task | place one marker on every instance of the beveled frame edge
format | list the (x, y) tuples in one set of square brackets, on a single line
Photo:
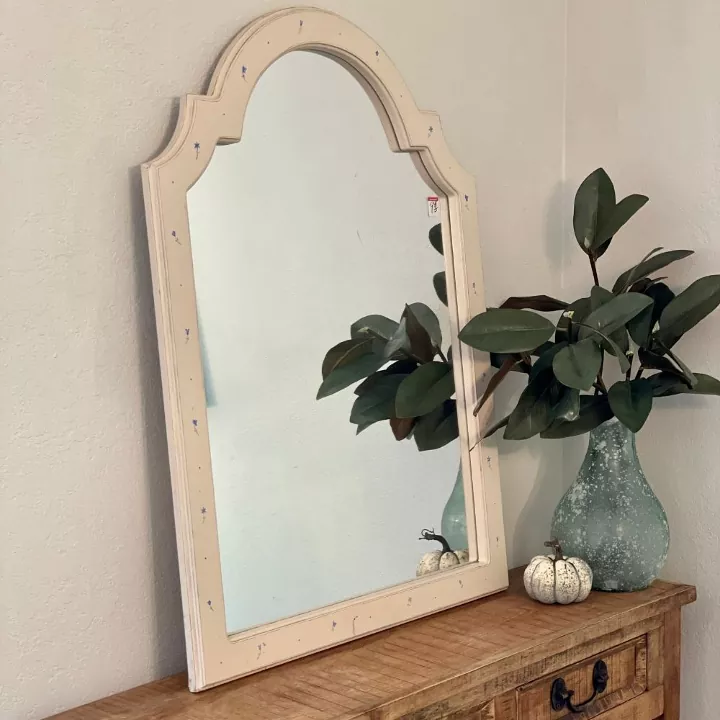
[(204, 121)]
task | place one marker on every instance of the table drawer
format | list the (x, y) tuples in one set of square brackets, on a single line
[(626, 679)]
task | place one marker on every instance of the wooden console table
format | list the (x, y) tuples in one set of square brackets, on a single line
[(494, 659)]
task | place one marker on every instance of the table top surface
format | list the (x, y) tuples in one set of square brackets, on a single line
[(354, 679)]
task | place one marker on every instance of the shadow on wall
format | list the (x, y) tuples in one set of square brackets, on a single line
[(169, 632)]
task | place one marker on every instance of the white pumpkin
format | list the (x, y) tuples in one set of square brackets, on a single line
[(440, 559), (558, 579)]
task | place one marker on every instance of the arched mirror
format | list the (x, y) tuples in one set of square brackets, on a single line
[(314, 252)]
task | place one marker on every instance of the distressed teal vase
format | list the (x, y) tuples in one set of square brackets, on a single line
[(454, 520), (610, 516)]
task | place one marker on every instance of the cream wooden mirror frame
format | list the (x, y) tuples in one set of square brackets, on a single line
[(214, 656)]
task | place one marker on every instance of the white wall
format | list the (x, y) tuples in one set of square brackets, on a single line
[(89, 599), (644, 101)]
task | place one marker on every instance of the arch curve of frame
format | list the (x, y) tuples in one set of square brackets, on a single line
[(217, 118)]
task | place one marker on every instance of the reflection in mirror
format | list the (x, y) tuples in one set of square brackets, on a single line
[(302, 228)]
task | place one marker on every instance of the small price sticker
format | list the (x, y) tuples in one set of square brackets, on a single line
[(433, 204)]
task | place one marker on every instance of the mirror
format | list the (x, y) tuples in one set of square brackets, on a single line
[(308, 224)]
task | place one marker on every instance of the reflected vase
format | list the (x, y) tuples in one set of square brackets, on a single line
[(454, 519), (610, 516)]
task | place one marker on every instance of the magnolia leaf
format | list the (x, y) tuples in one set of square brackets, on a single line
[(440, 285), (641, 326), (648, 266), (620, 214), (687, 309), (344, 375), (667, 384), (533, 412), (614, 314), (437, 428), (429, 320), (599, 296), (345, 352), (364, 426), (426, 388), (435, 236), (568, 406), (631, 402), (399, 344), (521, 365), (545, 361), (541, 303), (401, 367), (507, 331), (377, 402), (401, 427), (374, 326), (577, 365), (594, 201), (421, 345), (580, 309), (593, 412), (495, 380)]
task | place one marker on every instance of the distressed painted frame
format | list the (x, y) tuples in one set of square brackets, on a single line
[(217, 118)]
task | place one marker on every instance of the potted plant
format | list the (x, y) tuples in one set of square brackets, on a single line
[(610, 515)]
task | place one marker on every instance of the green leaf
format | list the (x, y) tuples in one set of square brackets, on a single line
[(344, 375), (435, 236), (688, 309), (580, 309), (667, 384), (495, 380), (345, 352), (399, 344), (401, 367), (437, 428), (440, 285), (641, 326), (593, 412), (373, 326), (421, 345), (364, 426), (378, 401), (533, 412), (426, 388), (568, 406), (497, 360), (507, 331), (620, 214), (655, 361), (541, 303), (402, 427), (497, 426), (429, 320), (599, 296), (614, 314), (647, 267), (631, 402), (594, 201), (577, 365), (545, 361)]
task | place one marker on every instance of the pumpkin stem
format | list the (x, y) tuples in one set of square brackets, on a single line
[(430, 535), (555, 545)]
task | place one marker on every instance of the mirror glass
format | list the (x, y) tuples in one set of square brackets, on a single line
[(308, 224)]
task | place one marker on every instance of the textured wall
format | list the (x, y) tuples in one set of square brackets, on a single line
[(89, 595), (644, 101)]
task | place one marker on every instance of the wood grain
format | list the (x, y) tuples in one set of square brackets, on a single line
[(647, 706), (457, 665), (671, 652)]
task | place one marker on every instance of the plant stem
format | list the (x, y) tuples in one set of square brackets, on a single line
[(593, 267), (430, 535), (439, 351), (639, 373)]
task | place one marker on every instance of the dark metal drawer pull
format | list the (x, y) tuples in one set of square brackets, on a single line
[(561, 697)]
